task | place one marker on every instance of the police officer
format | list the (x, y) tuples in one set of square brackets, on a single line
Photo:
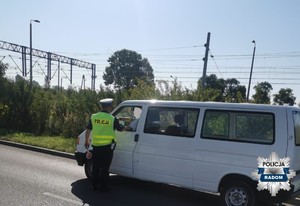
[(103, 126)]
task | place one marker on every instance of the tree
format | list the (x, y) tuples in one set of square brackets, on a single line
[(3, 92), (143, 91), (40, 109), (221, 90), (262, 93), (125, 68), (5, 102), (214, 89), (285, 96), (19, 99), (234, 92), (3, 68), (213, 82)]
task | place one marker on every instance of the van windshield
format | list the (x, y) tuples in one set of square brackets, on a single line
[(296, 117)]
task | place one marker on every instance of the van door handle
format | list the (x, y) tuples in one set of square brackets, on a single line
[(136, 137)]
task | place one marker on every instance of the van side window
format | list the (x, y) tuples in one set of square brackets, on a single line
[(171, 121), (129, 116), (255, 127), (239, 126), (216, 125), (296, 117)]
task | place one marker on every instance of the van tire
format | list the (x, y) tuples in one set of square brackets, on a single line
[(237, 193), (88, 169)]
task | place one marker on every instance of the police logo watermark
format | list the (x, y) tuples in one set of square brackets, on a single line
[(273, 173)]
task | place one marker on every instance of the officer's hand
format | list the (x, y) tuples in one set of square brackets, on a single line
[(88, 155), (87, 145)]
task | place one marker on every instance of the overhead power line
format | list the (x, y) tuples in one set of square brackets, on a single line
[(211, 55), (188, 67)]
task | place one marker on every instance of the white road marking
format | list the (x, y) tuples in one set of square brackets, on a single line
[(66, 199)]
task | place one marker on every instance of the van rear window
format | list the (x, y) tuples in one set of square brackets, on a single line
[(239, 126), (296, 117)]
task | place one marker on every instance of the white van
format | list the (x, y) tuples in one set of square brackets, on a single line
[(206, 146)]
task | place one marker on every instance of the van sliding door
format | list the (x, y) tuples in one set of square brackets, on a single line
[(164, 152)]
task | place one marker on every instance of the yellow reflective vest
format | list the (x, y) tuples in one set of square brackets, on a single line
[(103, 129)]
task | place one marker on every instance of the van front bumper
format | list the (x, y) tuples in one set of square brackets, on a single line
[(80, 158)]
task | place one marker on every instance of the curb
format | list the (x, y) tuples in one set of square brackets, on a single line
[(38, 149)]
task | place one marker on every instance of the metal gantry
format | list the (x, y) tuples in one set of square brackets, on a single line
[(50, 57)]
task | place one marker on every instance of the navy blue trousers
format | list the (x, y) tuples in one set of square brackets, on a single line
[(102, 157)]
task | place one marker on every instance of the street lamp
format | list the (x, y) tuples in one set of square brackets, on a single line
[(251, 70), (37, 21)]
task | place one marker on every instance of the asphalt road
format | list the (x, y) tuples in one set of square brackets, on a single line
[(34, 178)]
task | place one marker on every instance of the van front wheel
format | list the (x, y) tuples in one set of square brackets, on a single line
[(237, 193)]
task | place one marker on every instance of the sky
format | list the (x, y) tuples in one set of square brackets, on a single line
[(170, 33)]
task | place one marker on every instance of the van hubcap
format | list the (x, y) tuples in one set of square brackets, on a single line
[(236, 197)]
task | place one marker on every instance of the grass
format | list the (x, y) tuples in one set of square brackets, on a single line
[(54, 142)]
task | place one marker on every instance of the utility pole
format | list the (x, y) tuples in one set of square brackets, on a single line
[(83, 82), (30, 46), (205, 59), (58, 75), (254, 48)]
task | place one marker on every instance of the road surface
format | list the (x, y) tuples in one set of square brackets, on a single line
[(34, 178)]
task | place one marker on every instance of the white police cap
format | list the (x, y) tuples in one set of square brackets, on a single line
[(106, 102)]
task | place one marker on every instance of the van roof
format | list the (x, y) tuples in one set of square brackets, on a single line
[(209, 104)]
